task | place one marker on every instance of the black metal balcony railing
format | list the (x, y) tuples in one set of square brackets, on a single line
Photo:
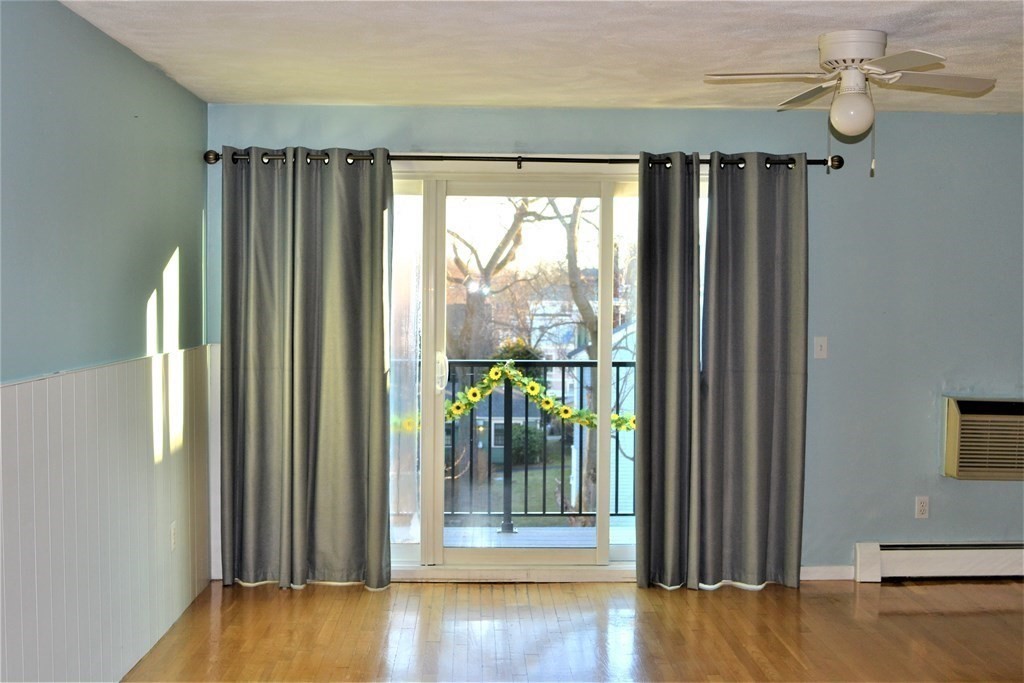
[(506, 458)]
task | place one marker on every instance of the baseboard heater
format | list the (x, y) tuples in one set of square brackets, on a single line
[(877, 561)]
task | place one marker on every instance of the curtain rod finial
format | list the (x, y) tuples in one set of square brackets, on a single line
[(835, 161), (211, 157)]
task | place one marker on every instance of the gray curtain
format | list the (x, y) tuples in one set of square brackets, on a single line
[(304, 420), (720, 449), (666, 465), (754, 379)]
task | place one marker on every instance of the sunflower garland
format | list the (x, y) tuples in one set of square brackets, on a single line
[(535, 392), (407, 425)]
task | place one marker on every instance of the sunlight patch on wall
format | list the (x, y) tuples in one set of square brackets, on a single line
[(152, 331), (158, 408), (175, 359), (171, 303), (176, 399), (153, 351)]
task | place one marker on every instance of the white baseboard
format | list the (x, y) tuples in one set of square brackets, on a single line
[(838, 572), (875, 561), (613, 573)]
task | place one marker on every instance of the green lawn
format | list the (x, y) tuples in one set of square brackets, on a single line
[(530, 487)]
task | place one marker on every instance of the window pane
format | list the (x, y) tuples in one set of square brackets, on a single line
[(625, 211), (522, 285), (405, 367)]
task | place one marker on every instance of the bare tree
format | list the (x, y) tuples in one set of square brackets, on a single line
[(498, 300), (480, 279), (483, 277), (582, 296)]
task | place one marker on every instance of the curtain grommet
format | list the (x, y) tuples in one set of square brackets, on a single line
[(349, 159)]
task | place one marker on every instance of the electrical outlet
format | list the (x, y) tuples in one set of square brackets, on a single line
[(921, 507), (174, 535)]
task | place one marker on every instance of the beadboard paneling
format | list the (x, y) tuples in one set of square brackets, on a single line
[(89, 581)]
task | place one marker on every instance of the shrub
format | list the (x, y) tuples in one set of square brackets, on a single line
[(520, 349), (526, 441)]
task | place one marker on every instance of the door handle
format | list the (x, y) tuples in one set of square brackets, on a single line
[(440, 371)]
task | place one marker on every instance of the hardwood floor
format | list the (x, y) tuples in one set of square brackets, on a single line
[(826, 630)]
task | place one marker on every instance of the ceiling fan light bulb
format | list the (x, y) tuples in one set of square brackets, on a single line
[(852, 113)]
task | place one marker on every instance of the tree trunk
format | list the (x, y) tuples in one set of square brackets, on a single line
[(588, 318)]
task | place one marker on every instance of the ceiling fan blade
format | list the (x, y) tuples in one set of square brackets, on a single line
[(772, 76), (807, 95), (964, 84), (901, 61)]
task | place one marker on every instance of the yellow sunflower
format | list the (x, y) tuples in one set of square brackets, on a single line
[(458, 408), (565, 412), (632, 421), (547, 403), (495, 373), (615, 416), (408, 425), (473, 394), (533, 388)]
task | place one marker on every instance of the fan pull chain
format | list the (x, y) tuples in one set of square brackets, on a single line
[(828, 147), (872, 174), (874, 125), (828, 132)]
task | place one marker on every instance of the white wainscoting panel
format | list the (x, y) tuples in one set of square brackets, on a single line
[(89, 579), (216, 567)]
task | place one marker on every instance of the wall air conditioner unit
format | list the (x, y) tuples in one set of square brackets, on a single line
[(984, 439)]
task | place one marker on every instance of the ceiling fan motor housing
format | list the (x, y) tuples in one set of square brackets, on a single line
[(843, 49)]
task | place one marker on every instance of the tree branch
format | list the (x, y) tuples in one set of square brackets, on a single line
[(459, 263), (511, 284), (506, 249), (579, 295), (472, 249)]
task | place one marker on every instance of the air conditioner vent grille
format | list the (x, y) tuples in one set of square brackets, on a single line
[(984, 439)]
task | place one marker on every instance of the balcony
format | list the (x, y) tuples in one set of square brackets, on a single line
[(517, 476)]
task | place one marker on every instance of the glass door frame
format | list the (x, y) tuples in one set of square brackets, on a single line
[(439, 181)]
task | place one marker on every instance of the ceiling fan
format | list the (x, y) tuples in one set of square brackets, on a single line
[(849, 59)]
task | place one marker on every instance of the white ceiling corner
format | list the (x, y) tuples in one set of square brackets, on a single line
[(528, 53)]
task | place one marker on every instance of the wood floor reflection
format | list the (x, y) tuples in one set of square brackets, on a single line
[(595, 632)]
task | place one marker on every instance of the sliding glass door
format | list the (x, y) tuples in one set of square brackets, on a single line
[(522, 329)]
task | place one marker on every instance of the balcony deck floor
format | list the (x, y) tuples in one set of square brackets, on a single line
[(621, 533)]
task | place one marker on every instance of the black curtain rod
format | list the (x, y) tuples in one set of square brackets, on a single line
[(212, 157)]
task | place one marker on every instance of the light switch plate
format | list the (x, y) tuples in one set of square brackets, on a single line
[(821, 347)]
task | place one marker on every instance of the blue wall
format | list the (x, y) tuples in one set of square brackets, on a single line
[(915, 277), (101, 183)]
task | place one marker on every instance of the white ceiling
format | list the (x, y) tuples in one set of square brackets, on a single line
[(549, 54)]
